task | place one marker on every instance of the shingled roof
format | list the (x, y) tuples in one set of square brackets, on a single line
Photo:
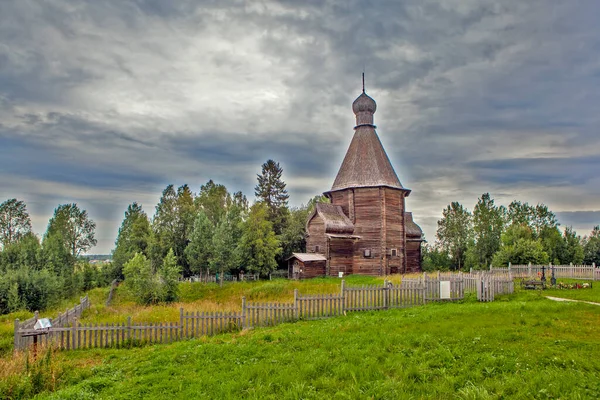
[(366, 164), (412, 229), (334, 218)]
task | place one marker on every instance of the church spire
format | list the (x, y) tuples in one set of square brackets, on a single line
[(366, 164)]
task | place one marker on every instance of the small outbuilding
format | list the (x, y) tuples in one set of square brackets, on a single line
[(304, 265)]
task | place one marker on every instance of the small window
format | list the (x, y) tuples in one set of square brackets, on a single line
[(394, 252), (317, 249), (367, 252)]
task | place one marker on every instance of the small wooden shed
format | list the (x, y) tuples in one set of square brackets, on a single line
[(304, 265)]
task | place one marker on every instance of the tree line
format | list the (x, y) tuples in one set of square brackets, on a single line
[(214, 231), (497, 235), (211, 232), (34, 273)]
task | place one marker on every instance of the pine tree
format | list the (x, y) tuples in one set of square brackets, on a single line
[(272, 192)]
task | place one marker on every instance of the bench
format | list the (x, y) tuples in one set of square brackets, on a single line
[(532, 284)]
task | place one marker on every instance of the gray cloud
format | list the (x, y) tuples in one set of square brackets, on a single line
[(106, 102)]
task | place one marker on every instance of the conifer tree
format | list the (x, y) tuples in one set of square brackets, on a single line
[(272, 192)]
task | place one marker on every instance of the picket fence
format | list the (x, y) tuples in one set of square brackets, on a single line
[(68, 333), (60, 321), (587, 272)]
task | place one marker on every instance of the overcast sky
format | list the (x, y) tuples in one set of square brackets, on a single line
[(104, 103)]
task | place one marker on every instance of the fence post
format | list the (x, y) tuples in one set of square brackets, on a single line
[(296, 314), (529, 270), (74, 331), (343, 294), (244, 312), (129, 329), (16, 340), (386, 292), (180, 323)]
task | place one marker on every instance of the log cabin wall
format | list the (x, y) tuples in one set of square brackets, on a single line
[(341, 198), (368, 215), (316, 235), (341, 256), (413, 256), (313, 269), (394, 223)]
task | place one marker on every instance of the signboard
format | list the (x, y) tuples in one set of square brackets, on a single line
[(444, 289), (42, 323), (340, 274)]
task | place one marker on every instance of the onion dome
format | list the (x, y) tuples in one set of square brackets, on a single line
[(364, 103)]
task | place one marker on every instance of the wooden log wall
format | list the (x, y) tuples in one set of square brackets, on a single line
[(316, 235)]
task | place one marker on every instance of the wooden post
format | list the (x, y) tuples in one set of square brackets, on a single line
[(244, 312), (129, 329), (180, 323), (74, 331), (17, 336), (296, 313)]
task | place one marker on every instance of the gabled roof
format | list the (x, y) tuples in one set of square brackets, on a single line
[(304, 257), (334, 218), (412, 229)]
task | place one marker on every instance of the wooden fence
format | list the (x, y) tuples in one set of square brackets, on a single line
[(440, 287), (61, 320), (588, 272), (488, 286), (71, 334)]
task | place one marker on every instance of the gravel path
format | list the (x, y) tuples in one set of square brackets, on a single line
[(577, 301)]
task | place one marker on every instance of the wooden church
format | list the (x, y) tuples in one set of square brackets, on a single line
[(365, 229)]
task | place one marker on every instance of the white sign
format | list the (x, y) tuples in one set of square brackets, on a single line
[(444, 289), (42, 323), (340, 274)]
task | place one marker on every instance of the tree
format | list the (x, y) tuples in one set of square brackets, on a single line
[(454, 232), (213, 198), (272, 192), (14, 221), (591, 247), (142, 280), (164, 225), (435, 258), (488, 224), (199, 250), (258, 245), (169, 276), (75, 227), (225, 240), (573, 250), (133, 237)]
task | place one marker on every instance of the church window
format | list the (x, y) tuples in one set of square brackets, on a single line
[(367, 253), (317, 248), (394, 252)]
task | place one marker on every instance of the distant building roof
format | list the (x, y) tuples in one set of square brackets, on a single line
[(334, 218), (304, 257)]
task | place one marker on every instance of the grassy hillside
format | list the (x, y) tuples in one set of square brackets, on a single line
[(521, 346)]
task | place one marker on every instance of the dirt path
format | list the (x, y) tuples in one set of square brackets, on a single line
[(577, 301)]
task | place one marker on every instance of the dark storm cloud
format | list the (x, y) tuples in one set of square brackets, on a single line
[(112, 100)]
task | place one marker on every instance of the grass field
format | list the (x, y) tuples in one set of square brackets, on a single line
[(520, 346)]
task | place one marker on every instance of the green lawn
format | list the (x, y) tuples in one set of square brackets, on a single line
[(520, 346), (588, 294)]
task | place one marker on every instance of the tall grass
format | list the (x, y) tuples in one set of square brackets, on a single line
[(521, 346)]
